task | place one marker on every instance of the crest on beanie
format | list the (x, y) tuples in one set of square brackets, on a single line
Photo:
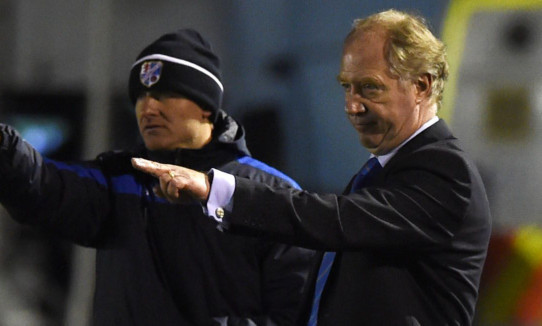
[(150, 72)]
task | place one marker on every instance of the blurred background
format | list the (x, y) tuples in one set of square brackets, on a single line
[(65, 66)]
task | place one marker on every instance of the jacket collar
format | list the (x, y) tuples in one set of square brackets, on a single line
[(437, 132)]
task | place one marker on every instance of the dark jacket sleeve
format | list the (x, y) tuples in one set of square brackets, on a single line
[(415, 203), (68, 200)]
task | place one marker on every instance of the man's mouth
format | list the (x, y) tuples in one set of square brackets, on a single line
[(151, 127), (365, 127), (358, 123)]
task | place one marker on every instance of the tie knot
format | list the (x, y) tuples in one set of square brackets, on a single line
[(369, 169), (369, 165)]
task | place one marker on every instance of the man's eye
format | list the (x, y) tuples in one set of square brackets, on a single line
[(370, 86), (370, 90), (345, 86)]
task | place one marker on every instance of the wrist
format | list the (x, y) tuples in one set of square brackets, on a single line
[(208, 183)]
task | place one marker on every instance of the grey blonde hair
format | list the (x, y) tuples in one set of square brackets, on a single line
[(412, 50)]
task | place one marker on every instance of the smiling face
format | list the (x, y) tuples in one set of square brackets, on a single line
[(168, 121), (384, 109)]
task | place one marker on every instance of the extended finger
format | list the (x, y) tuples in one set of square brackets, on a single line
[(154, 168)]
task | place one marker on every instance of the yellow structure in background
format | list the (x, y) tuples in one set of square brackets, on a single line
[(454, 33), (511, 289), (502, 126), (511, 286)]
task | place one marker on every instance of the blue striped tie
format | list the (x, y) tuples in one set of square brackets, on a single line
[(372, 166)]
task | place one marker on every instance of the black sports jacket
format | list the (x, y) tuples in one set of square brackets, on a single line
[(158, 263)]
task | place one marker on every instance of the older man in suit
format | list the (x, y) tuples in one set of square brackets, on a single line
[(406, 242)]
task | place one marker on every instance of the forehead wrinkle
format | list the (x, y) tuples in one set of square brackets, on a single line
[(360, 75)]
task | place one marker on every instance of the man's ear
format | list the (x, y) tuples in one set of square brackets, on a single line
[(423, 87)]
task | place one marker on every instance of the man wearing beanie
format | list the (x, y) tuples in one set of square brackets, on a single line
[(159, 263)]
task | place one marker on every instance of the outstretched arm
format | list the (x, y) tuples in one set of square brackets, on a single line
[(421, 207), (70, 200)]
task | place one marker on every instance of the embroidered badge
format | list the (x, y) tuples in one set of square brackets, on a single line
[(150, 72)]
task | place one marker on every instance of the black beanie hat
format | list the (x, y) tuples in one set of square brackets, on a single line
[(181, 62)]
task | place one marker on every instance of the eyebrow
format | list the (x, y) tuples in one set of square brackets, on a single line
[(376, 80)]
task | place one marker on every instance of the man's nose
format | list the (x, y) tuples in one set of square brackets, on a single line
[(354, 106), (148, 103)]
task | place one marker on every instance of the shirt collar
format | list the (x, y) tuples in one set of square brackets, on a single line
[(383, 159)]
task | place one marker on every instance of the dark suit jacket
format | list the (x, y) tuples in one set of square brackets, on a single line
[(410, 246)]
